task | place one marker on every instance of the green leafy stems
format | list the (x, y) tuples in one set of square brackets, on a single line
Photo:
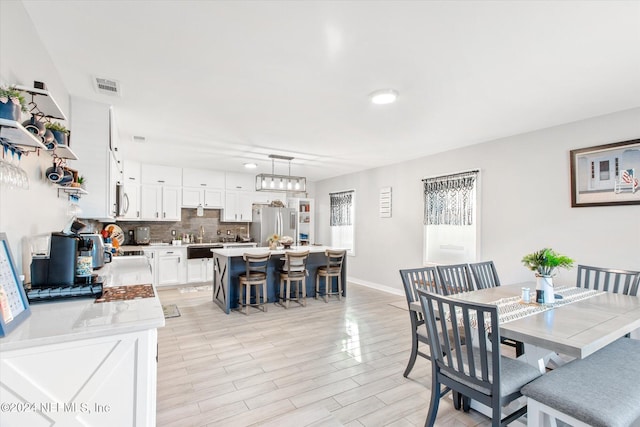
[(57, 126), (545, 262), (9, 93)]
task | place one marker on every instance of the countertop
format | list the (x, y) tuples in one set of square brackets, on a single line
[(81, 318), (167, 245), (233, 252)]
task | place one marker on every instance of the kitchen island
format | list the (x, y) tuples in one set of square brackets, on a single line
[(228, 264), (78, 362)]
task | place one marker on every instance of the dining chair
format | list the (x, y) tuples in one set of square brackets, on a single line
[(476, 371), (412, 279), (485, 276), (609, 280), (455, 278)]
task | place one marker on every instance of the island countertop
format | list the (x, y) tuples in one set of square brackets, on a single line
[(234, 252), (82, 318)]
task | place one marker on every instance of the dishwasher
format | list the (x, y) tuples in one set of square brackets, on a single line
[(200, 263)]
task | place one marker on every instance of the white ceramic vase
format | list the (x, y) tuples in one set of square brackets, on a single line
[(545, 284)]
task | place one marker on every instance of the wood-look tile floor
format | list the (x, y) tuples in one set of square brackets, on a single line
[(326, 364)]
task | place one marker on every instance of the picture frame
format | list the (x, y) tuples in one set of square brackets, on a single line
[(14, 305), (606, 175)]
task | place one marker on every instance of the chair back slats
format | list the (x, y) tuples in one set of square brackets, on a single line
[(414, 278), (256, 265), (295, 264), (335, 259), (608, 280), (454, 323), (485, 274), (455, 279)]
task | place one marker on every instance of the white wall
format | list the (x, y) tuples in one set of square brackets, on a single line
[(24, 59), (525, 198)]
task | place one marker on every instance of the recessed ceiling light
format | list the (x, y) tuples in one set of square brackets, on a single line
[(250, 165), (384, 96)]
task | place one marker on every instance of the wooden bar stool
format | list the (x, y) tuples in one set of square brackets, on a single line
[(255, 275), (332, 269), (294, 272)]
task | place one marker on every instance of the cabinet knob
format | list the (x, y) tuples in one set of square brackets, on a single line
[(164, 214), (157, 215)]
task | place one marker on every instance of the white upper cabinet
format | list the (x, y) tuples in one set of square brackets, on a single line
[(131, 172), (163, 175), (203, 187), (203, 178), (240, 182), (91, 123)]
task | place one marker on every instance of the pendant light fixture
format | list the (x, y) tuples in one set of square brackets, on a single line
[(284, 183)]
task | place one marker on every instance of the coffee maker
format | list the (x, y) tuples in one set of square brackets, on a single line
[(58, 266)]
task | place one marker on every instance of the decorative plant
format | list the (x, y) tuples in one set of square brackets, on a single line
[(545, 262), (10, 93), (57, 126), (81, 180), (273, 238)]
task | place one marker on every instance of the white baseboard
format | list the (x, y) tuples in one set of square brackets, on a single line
[(376, 286)]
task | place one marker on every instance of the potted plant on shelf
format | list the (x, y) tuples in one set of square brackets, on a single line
[(545, 263), (60, 133), (81, 182), (11, 103)]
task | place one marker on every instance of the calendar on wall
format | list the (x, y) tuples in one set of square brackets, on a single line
[(14, 306)]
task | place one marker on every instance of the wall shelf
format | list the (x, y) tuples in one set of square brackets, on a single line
[(64, 152), (16, 134), (42, 103), (76, 191)]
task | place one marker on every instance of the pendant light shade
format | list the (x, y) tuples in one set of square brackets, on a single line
[(284, 183)]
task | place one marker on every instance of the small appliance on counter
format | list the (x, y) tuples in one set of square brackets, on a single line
[(98, 252), (60, 267), (143, 235)]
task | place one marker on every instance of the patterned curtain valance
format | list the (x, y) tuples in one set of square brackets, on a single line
[(341, 205), (448, 199)]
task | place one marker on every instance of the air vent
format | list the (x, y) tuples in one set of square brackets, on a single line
[(139, 138), (107, 86)]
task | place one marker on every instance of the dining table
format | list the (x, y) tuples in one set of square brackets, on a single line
[(576, 326), (575, 329)]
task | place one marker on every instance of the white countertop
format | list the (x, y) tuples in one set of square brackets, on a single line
[(186, 245), (81, 318), (233, 252)]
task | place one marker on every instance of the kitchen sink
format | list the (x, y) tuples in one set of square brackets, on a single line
[(202, 250)]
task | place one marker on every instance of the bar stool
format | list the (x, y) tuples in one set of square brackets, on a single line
[(255, 275), (294, 272), (332, 269)]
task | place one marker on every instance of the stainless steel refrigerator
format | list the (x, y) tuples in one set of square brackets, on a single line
[(268, 221)]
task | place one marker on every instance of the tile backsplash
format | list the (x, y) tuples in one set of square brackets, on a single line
[(190, 223)]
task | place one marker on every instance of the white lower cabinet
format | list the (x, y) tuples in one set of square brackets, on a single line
[(168, 266), (106, 381), (200, 270)]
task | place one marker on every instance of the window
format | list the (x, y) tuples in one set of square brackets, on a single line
[(450, 218), (342, 217), (604, 170)]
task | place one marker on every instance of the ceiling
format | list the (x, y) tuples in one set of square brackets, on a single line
[(216, 84)]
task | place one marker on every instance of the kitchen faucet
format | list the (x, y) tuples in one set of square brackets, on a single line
[(201, 234)]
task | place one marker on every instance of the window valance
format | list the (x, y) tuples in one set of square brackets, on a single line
[(448, 199), (341, 206)]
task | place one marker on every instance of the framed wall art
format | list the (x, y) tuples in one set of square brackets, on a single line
[(14, 306), (606, 175)]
